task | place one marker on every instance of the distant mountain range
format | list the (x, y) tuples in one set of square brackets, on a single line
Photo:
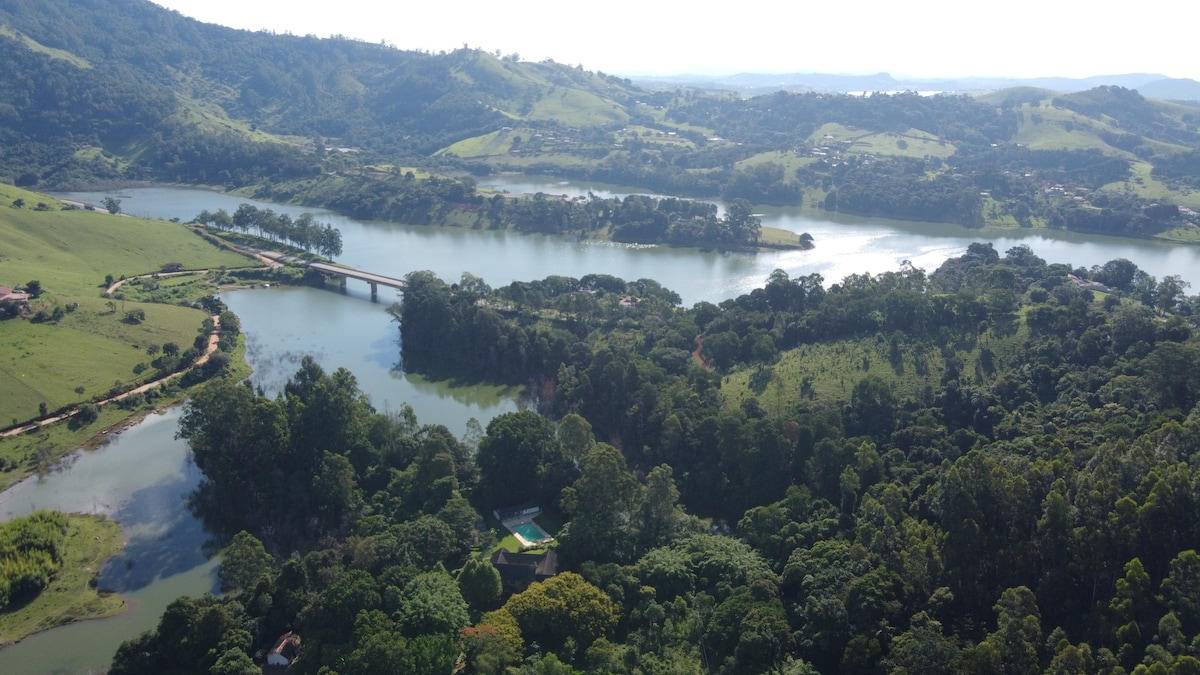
[(104, 92), (752, 84)]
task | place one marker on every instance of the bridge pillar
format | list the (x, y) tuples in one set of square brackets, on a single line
[(374, 290), (342, 281)]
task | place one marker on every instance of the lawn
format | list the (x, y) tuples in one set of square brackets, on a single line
[(549, 522), (776, 238), (71, 595)]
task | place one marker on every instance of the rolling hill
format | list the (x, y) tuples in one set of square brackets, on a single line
[(124, 90)]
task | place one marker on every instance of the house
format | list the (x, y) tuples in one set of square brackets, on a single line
[(286, 649), (12, 304), (7, 293), (1087, 284), (526, 510), (519, 570)]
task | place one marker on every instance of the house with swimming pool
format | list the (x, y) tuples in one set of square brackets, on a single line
[(519, 520)]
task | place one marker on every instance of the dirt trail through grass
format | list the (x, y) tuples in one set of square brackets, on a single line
[(213, 338)]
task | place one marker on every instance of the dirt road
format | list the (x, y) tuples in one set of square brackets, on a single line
[(213, 338)]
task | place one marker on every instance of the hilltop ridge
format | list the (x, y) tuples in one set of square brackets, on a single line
[(114, 91)]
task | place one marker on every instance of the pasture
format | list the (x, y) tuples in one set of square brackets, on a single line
[(75, 345)]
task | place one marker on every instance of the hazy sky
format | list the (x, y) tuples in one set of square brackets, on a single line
[(919, 38)]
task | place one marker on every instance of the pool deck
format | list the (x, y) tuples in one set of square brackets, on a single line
[(511, 524)]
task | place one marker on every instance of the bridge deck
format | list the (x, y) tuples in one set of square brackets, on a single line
[(360, 275)]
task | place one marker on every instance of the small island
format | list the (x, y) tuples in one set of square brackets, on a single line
[(49, 563)]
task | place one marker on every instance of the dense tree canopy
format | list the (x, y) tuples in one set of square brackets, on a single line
[(984, 469), (30, 554)]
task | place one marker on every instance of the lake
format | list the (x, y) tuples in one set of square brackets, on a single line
[(143, 476), (844, 245)]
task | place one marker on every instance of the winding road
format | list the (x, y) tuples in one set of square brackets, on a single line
[(213, 339)]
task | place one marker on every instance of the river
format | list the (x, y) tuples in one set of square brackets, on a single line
[(143, 475), (140, 477)]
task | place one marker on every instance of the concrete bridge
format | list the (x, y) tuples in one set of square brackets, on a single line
[(343, 273)]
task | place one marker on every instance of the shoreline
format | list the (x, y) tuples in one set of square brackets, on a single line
[(66, 442), (83, 560), (37, 424), (994, 228)]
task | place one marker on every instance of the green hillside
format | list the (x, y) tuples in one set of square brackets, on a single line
[(70, 253), (171, 99)]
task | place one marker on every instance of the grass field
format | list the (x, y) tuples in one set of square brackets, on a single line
[(495, 143), (36, 46), (89, 345), (911, 143), (790, 161), (535, 93), (35, 452), (576, 108), (829, 370), (75, 249), (1188, 234), (418, 174), (545, 159), (1147, 186), (775, 237), (1049, 128), (654, 137), (71, 595)]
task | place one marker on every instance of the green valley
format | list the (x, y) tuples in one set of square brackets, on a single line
[(180, 101), (986, 466)]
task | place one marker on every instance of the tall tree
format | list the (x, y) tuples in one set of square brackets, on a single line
[(603, 504), (479, 583), (562, 607), (520, 460)]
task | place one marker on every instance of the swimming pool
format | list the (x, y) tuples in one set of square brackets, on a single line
[(529, 532)]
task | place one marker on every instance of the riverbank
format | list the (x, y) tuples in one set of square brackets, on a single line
[(72, 345), (36, 450), (72, 594)]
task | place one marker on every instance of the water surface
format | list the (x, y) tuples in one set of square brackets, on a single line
[(844, 245), (142, 478)]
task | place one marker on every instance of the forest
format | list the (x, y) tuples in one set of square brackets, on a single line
[(639, 219), (1003, 481)]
